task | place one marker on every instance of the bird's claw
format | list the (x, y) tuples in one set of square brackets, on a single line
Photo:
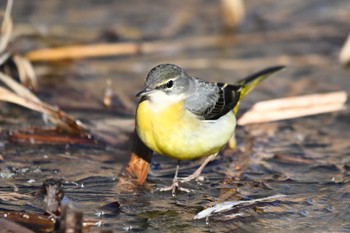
[(191, 177), (173, 187)]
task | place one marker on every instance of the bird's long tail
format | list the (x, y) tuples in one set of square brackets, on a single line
[(248, 83)]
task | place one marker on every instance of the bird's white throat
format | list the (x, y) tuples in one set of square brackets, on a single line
[(160, 100)]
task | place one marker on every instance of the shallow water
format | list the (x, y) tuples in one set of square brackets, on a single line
[(307, 159)]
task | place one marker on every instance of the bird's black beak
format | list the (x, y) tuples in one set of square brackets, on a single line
[(144, 92)]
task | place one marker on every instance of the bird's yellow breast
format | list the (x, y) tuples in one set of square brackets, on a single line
[(178, 134)]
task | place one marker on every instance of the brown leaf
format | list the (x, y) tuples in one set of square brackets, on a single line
[(139, 163)]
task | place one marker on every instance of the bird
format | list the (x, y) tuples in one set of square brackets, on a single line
[(185, 118)]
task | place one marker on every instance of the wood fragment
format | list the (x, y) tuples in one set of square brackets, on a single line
[(293, 107)]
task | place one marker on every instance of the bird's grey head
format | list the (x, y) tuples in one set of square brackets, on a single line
[(167, 78)]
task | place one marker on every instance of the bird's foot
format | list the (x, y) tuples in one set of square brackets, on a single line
[(173, 187), (197, 174), (194, 176)]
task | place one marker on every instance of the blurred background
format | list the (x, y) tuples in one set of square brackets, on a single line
[(307, 37), (307, 158)]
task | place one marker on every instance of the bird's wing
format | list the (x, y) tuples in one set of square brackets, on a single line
[(213, 100), (228, 98)]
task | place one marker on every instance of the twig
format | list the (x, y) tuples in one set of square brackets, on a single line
[(293, 107), (83, 51), (229, 205)]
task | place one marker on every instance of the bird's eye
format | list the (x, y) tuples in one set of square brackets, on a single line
[(170, 84)]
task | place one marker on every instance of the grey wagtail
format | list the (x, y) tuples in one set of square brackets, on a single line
[(183, 117)]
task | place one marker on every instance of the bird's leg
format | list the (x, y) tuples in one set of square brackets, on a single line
[(198, 172), (232, 144), (175, 184)]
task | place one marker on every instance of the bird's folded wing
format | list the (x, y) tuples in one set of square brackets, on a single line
[(213, 100)]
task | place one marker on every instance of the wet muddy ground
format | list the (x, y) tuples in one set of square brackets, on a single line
[(306, 159)]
